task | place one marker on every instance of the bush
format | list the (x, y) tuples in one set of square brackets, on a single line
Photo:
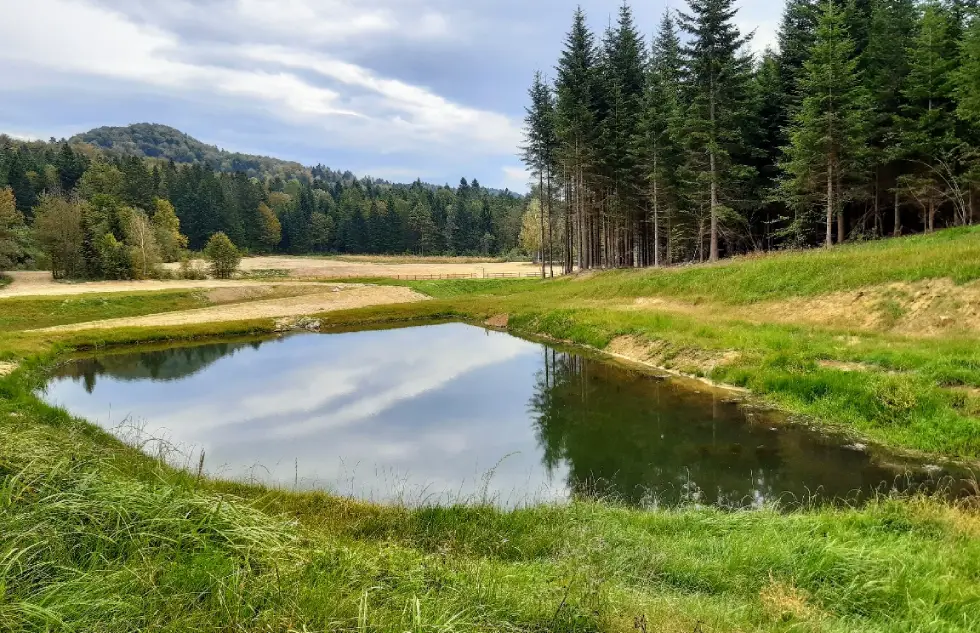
[(115, 259), (188, 270), (222, 255)]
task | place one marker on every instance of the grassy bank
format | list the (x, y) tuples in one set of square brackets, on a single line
[(916, 392), (23, 313), (95, 536)]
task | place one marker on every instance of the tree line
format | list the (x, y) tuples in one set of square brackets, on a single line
[(690, 147), (89, 213)]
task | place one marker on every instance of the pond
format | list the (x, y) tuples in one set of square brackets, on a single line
[(455, 413)]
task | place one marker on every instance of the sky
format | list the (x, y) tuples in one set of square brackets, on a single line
[(394, 89)]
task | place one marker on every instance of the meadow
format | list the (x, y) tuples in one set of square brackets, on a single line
[(97, 536)]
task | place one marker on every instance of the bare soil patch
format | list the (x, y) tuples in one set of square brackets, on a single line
[(929, 308), (661, 354), (353, 266), (32, 283), (338, 297), (925, 308), (498, 321)]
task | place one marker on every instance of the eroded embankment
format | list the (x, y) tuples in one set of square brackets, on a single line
[(930, 308)]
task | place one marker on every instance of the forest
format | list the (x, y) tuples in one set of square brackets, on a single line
[(683, 147), (690, 147), (90, 211)]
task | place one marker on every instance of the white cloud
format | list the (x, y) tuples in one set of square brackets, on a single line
[(336, 100), (762, 17), (516, 178), (312, 22)]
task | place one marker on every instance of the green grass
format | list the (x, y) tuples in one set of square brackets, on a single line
[(5, 280), (23, 313), (953, 254), (95, 536), (905, 396)]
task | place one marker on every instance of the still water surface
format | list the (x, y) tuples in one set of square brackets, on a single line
[(453, 412)]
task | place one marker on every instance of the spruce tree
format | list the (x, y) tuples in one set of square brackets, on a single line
[(827, 138), (574, 126), (927, 122), (885, 68), (660, 151), (537, 145), (767, 138), (966, 86), (717, 80), (624, 86), (797, 33)]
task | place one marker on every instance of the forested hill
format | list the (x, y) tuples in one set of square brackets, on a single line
[(53, 191), (152, 140)]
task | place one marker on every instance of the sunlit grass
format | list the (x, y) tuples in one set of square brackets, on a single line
[(95, 536), (23, 313)]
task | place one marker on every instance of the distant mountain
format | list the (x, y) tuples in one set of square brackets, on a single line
[(152, 140), (162, 142)]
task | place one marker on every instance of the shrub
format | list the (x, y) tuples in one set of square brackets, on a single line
[(222, 255), (188, 270)]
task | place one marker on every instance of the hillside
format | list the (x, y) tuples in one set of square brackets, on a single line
[(152, 140), (103, 537)]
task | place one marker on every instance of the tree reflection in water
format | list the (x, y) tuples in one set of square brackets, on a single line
[(173, 363), (640, 439)]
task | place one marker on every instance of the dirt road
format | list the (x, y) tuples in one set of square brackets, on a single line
[(28, 284), (334, 297)]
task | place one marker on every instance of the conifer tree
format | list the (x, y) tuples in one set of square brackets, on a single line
[(716, 84), (927, 123), (770, 105), (827, 138), (537, 148), (575, 126), (624, 82), (797, 33), (659, 151), (885, 68)]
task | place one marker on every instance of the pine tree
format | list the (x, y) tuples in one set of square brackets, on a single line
[(575, 126), (827, 138), (927, 123), (716, 82), (885, 68), (660, 151), (967, 92), (17, 179), (11, 221), (767, 137), (625, 86), (797, 32), (536, 151)]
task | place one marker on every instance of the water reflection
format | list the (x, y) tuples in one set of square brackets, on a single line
[(645, 440), (440, 413)]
